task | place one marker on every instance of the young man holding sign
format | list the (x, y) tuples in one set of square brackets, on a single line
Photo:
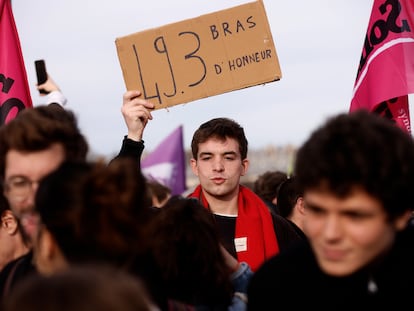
[(219, 147)]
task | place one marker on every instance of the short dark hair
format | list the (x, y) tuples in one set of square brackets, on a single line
[(267, 185), (288, 194), (220, 128), (360, 149), (36, 129)]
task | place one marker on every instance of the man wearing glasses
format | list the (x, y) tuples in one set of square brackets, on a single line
[(32, 145)]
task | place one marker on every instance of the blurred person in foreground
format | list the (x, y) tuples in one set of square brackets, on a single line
[(34, 144), (357, 174), (101, 215), (81, 288), (196, 270)]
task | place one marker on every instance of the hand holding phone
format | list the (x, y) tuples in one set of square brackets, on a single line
[(41, 74)]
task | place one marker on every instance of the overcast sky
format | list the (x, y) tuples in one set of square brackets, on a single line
[(318, 42)]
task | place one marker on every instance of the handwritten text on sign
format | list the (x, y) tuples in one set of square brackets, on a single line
[(196, 58)]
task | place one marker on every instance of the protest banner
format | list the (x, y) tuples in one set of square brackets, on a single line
[(15, 93), (200, 57), (386, 70)]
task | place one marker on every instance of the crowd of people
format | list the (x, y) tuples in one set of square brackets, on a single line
[(87, 234)]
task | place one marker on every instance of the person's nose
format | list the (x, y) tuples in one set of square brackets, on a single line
[(332, 228), (218, 165), (32, 194)]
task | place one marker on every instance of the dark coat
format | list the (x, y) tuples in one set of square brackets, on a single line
[(293, 278)]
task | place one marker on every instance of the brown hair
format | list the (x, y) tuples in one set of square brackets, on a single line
[(100, 210), (220, 128), (266, 185), (186, 247), (81, 288), (38, 128)]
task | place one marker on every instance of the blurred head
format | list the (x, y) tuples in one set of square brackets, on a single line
[(266, 185), (357, 174), (32, 145), (81, 288), (186, 247), (90, 212)]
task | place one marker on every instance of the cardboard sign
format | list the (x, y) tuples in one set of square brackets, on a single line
[(200, 57)]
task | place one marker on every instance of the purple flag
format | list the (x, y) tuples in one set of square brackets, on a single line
[(166, 163)]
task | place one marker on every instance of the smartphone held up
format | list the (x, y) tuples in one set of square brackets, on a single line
[(41, 74)]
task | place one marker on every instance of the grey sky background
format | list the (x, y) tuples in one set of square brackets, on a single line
[(318, 42)]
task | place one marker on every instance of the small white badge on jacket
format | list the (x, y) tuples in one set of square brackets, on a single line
[(241, 244)]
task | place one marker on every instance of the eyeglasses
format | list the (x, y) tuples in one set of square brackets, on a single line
[(18, 188)]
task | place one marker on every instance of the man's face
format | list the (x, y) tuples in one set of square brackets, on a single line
[(347, 233), (219, 167), (23, 170)]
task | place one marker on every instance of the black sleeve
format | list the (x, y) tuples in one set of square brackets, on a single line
[(261, 290), (277, 281), (132, 149), (14, 272)]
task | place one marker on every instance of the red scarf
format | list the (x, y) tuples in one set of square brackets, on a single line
[(253, 222)]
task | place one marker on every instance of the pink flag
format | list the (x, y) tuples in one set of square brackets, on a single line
[(166, 163), (386, 70), (15, 93)]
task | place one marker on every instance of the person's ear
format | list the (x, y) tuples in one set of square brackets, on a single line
[(9, 222), (245, 165), (301, 205), (193, 163)]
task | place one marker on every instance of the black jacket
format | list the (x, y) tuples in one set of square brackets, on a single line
[(15, 271), (293, 278)]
